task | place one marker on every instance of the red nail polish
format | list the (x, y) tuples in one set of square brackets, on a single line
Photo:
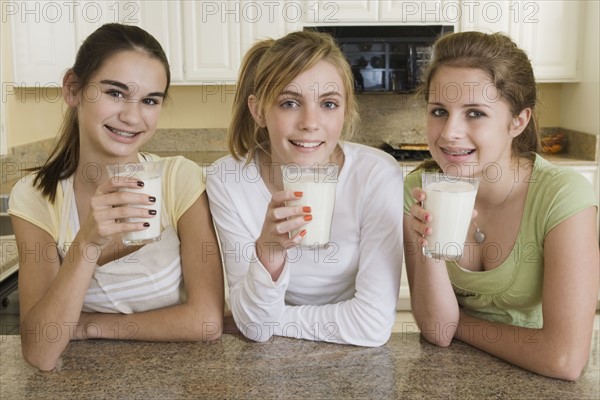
[(306, 209), (303, 233), (298, 194), (308, 217)]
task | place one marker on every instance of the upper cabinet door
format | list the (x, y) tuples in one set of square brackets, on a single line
[(551, 35), (548, 31), (163, 20), (212, 40), (445, 12), (43, 43), (340, 11), (157, 17), (267, 19), (46, 35)]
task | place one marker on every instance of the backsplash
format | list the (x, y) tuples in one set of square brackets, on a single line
[(399, 118)]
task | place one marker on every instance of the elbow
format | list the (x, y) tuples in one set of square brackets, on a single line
[(437, 340), (206, 330), (439, 334), (567, 367), (39, 361)]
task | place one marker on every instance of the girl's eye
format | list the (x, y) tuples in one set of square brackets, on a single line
[(151, 102), (115, 93), (289, 104), (330, 104), (475, 114), (439, 112)]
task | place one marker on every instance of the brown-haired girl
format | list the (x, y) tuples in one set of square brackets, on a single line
[(294, 101), (76, 279), (525, 289)]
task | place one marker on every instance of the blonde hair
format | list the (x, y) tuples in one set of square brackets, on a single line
[(508, 67), (271, 65)]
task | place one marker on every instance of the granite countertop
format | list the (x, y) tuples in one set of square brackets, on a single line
[(407, 367)]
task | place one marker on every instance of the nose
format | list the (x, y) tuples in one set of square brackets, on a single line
[(309, 121), (130, 112), (453, 129)]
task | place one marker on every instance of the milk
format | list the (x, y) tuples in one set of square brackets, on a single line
[(451, 205), (151, 174), (152, 187), (318, 188)]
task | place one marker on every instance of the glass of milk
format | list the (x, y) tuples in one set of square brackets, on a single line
[(151, 174), (450, 201), (317, 183)]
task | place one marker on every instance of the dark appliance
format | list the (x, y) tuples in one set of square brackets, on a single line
[(407, 152), (386, 58)]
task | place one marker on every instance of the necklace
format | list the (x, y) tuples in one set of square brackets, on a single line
[(478, 235)]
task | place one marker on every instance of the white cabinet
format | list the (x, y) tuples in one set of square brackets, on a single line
[(268, 19), (206, 40), (445, 12), (218, 34), (591, 173), (213, 45), (46, 35), (327, 12), (548, 31), (43, 43), (335, 12)]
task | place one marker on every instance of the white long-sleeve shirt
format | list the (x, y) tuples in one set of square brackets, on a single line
[(345, 293)]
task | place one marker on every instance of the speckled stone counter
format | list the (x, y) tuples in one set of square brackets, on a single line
[(235, 368)]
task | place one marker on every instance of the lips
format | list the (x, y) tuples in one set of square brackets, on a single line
[(118, 132)]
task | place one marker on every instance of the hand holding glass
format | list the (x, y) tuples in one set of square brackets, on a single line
[(318, 184), (450, 201), (151, 174)]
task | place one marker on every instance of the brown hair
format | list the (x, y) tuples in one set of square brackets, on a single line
[(268, 67), (98, 47), (508, 67)]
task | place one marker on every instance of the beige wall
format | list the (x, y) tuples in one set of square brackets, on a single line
[(581, 101)]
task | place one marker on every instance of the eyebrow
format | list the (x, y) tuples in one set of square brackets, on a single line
[(125, 87), (436, 103), (297, 94)]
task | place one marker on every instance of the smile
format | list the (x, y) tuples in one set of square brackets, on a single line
[(121, 133), (463, 152), (306, 144)]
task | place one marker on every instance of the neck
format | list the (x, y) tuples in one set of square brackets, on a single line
[(497, 184)]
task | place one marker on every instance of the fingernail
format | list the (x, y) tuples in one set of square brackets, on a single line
[(298, 194), (140, 183), (146, 224), (303, 232), (152, 199), (308, 217), (152, 212), (306, 209), (428, 217)]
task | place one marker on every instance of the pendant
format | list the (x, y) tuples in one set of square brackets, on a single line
[(479, 236)]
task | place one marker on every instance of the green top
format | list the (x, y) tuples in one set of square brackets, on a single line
[(512, 292)]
